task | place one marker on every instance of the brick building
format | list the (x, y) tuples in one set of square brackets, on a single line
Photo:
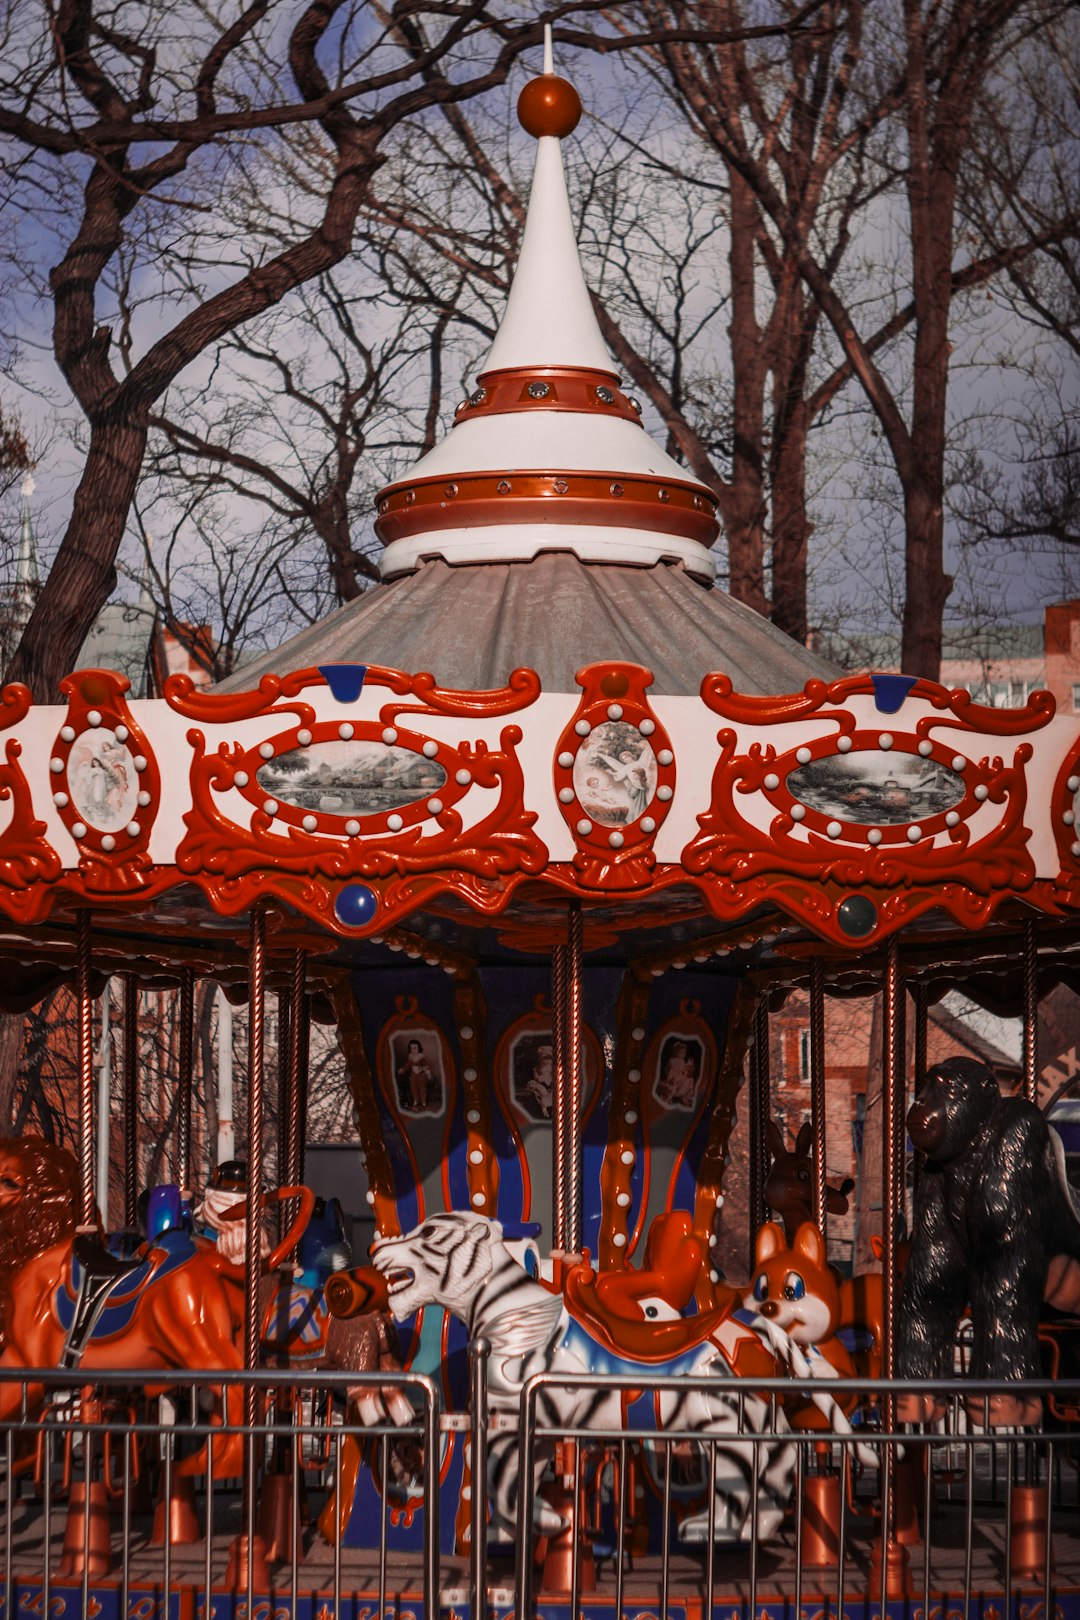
[(852, 1124)]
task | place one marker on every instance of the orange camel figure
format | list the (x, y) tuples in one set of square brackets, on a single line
[(179, 1305)]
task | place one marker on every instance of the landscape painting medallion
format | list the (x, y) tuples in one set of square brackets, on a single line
[(872, 788), (359, 777)]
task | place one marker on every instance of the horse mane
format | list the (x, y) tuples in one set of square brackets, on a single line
[(47, 1212)]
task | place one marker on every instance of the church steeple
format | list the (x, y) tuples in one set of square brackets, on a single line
[(27, 575)]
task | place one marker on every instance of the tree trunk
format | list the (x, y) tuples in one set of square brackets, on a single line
[(746, 522), (12, 1026), (791, 530), (928, 585), (83, 576)]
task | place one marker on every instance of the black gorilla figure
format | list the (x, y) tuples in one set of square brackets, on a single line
[(996, 1227)]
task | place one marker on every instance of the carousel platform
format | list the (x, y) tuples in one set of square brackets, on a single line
[(322, 1585)]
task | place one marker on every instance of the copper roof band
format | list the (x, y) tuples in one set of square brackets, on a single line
[(476, 500), (547, 388)]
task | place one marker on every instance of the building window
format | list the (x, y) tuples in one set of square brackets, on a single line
[(804, 1056), (1076, 697)]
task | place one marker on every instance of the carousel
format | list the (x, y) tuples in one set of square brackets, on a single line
[(549, 828)]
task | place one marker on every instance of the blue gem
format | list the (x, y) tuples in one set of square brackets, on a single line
[(356, 905), (346, 681), (890, 691)]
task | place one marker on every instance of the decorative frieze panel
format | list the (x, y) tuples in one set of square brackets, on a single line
[(358, 794)]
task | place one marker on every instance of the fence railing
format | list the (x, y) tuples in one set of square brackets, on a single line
[(964, 1507), (82, 1453), (711, 1497)]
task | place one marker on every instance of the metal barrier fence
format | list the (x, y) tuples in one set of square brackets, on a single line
[(975, 1512), (77, 1452), (969, 1511)]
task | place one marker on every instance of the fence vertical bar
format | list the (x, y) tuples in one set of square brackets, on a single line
[(526, 1419), (431, 1502), (478, 1440)]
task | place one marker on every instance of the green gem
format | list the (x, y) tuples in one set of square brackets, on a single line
[(857, 915)]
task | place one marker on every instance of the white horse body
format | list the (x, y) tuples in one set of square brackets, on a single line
[(458, 1260)]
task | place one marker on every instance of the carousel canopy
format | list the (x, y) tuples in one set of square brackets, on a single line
[(547, 529)]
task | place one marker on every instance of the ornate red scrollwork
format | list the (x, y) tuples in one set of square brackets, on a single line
[(863, 804), (106, 783), (331, 801), (27, 859), (614, 774), (1065, 811)]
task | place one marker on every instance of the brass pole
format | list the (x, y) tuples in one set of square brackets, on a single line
[(1031, 1009), (87, 1205), (131, 1099), (892, 1148), (759, 1119), (296, 1077), (817, 1086), (302, 1019), (900, 1104), (252, 1249), (921, 998), (559, 1114), (185, 1063), (572, 1170)]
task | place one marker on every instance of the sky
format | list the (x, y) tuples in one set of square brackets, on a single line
[(997, 363)]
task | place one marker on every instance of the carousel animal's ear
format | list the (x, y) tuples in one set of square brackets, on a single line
[(809, 1241), (770, 1240), (775, 1138), (803, 1140)]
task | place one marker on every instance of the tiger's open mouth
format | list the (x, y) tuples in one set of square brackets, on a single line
[(399, 1277)]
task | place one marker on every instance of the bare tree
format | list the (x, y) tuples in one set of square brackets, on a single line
[(132, 112), (917, 76)]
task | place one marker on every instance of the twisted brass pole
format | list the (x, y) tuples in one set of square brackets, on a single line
[(759, 1119), (131, 1099), (1031, 1009), (572, 1171), (559, 1112), (252, 1247), (87, 1203), (817, 1086), (185, 1064)]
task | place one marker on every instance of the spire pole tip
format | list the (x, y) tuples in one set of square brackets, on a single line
[(549, 105)]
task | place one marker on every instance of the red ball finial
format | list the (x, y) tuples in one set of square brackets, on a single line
[(549, 106)]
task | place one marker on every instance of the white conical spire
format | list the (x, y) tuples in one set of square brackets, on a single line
[(548, 452), (549, 316)]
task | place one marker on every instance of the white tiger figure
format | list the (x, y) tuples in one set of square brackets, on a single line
[(458, 1260)]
